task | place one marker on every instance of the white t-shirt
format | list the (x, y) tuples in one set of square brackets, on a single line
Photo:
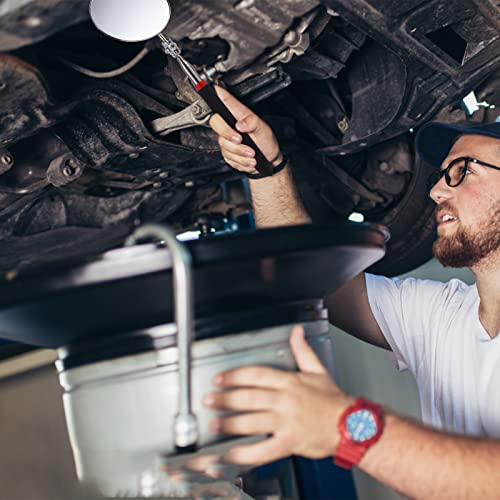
[(434, 331)]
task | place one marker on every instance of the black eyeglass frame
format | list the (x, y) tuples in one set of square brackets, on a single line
[(436, 176)]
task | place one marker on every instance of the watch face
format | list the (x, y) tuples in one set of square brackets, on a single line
[(361, 425)]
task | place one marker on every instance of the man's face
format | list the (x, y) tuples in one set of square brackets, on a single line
[(473, 235)]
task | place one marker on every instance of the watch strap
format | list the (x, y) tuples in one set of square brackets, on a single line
[(348, 454), (278, 168)]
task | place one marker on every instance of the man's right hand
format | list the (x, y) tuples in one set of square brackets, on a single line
[(236, 154)]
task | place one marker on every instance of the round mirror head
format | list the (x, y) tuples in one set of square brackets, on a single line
[(130, 20)]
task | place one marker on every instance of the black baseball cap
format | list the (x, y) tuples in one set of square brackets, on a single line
[(434, 140)]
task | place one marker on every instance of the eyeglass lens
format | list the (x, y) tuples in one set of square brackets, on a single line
[(454, 174)]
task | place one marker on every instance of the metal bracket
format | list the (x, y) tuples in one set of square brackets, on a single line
[(63, 170), (294, 43)]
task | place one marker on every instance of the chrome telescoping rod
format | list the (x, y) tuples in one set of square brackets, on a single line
[(186, 423), (172, 49)]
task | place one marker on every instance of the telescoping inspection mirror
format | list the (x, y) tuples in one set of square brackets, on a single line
[(130, 20)]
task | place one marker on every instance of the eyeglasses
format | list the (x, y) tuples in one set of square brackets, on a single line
[(455, 172)]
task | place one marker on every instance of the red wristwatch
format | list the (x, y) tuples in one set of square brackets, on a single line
[(360, 427)]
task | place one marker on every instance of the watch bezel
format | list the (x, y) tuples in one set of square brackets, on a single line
[(375, 411)]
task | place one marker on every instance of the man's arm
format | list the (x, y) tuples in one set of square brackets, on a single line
[(276, 203), (423, 463), (349, 309), (300, 412), (274, 199)]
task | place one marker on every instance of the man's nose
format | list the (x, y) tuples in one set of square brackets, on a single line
[(441, 191)]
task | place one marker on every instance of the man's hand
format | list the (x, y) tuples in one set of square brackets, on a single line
[(299, 410), (235, 153), (274, 199)]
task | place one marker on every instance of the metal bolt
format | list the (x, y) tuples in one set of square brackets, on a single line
[(292, 37), (387, 167), (32, 22), (70, 167), (6, 159), (343, 125), (134, 156), (189, 184), (197, 110)]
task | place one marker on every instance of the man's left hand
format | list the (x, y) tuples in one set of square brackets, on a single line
[(299, 410)]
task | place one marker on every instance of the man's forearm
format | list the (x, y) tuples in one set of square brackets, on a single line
[(422, 463), (276, 202)]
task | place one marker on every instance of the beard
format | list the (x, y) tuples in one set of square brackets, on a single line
[(468, 247)]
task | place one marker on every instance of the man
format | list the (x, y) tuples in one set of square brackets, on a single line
[(445, 333)]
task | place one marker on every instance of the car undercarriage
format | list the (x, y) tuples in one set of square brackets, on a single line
[(98, 136)]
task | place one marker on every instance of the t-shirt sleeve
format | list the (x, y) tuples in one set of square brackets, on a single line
[(410, 313)]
